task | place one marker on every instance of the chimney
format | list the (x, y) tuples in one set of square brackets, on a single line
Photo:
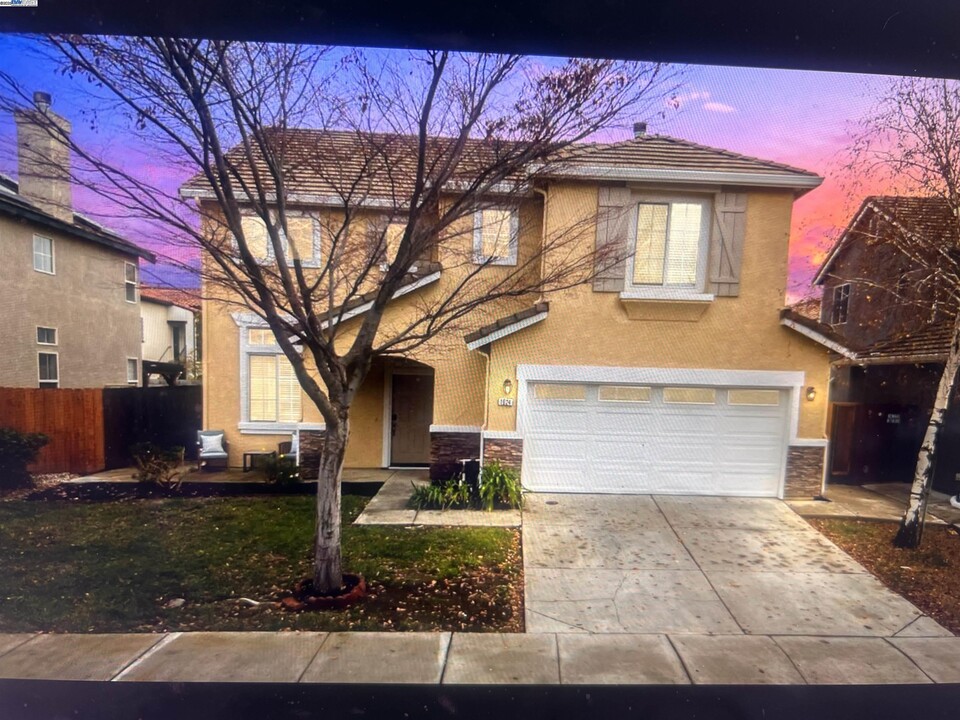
[(639, 129), (43, 158)]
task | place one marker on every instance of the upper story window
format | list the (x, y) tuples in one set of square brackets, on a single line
[(303, 232), (671, 245), (133, 371), (841, 304), (390, 234), (48, 369), (130, 281), (495, 235), (46, 336), (43, 255)]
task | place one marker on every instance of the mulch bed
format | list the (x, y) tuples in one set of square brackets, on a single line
[(929, 576), (115, 491)]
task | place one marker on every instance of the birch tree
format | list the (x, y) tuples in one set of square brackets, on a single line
[(438, 133), (912, 141)]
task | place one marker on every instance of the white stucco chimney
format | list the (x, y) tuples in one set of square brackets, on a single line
[(43, 158)]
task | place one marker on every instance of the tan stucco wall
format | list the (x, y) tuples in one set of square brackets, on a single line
[(736, 333), (583, 327), (97, 329)]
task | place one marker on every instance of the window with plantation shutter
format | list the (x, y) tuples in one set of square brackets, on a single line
[(495, 232), (670, 244), (274, 393), (300, 231), (255, 233)]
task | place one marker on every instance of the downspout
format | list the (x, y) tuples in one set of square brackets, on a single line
[(486, 403), (543, 235)]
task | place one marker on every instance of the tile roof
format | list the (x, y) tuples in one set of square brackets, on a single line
[(808, 308), (506, 321), (929, 344), (663, 151), (180, 297), (926, 217), (82, 227), (321, 162)]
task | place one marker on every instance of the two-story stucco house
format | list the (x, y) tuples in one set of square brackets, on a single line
[(69, 288), (668, 373)]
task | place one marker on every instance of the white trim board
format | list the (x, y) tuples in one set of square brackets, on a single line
[(818, 338), (711, 177), (360, 309), (502, 435), (456, 429), (507, 330)]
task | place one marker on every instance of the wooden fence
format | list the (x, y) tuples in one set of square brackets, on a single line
[(93, 429), (72, 419)]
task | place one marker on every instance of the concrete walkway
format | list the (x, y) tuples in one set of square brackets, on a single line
[(390, 507), (480, 658), (697, 566), (881, 501)]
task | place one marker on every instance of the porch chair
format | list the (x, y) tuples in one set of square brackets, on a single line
[(211, 448), (290, 448)]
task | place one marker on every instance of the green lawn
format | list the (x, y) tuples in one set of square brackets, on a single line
[(112, 566)]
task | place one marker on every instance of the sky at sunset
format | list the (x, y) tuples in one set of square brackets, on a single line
[(797, 117)]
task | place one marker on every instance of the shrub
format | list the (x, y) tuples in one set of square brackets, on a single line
[(17, 450), (154, 465), (499, 486), (281, 470)]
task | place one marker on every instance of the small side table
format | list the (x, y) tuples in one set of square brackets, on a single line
[(250, 458)]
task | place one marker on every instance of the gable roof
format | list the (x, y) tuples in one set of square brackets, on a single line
[(930, 343), (179, 297), (319, 163), (916, 216), (83, 228), (665, 158)]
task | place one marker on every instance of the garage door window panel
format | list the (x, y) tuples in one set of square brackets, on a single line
[(753, 397), (624, 393), (689, 396), (560, 391)]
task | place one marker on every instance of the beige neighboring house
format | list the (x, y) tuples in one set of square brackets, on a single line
[(170, 349), (69, 287), (670, 374)]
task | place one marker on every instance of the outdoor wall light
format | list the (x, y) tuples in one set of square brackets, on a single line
[(811, 394), (507, 386)]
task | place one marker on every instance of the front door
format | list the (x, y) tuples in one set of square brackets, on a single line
[(842, 438), (412, 413)]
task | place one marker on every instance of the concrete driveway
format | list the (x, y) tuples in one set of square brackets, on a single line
[(697, 566)]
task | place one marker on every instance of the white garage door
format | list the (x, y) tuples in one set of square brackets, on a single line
[(654, 439)]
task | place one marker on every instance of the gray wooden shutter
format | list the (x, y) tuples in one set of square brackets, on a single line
[(726, 243), (612, 232)]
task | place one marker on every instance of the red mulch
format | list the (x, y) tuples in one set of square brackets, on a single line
[(929, 576)]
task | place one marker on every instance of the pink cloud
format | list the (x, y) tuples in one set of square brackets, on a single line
[(719, 107)]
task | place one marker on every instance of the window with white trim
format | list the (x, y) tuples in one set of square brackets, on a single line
[(48, 369), (46, 336), (495, 236), (133, 371), (130, 281), (303, 231), (273, 390), (671, 240), (841, 304), (43, 255)]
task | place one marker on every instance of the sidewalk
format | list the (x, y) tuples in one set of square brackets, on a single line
[(389, 507), (882, 501), (483, 658)]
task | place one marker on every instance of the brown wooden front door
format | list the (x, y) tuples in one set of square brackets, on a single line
[(842, 436), (412, 413)]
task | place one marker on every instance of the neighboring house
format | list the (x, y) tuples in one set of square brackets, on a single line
[(170, 331), (671, 373), (889, 333), (69, 288)]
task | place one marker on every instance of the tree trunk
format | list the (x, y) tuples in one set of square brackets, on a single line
[(327, 570), (911, 526)]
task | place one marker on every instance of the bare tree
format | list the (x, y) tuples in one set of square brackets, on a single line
[(421, 142), (912, 142)]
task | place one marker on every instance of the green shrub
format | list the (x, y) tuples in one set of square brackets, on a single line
[(17, 450), (281, 470), (158, 466), (499, 486)]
